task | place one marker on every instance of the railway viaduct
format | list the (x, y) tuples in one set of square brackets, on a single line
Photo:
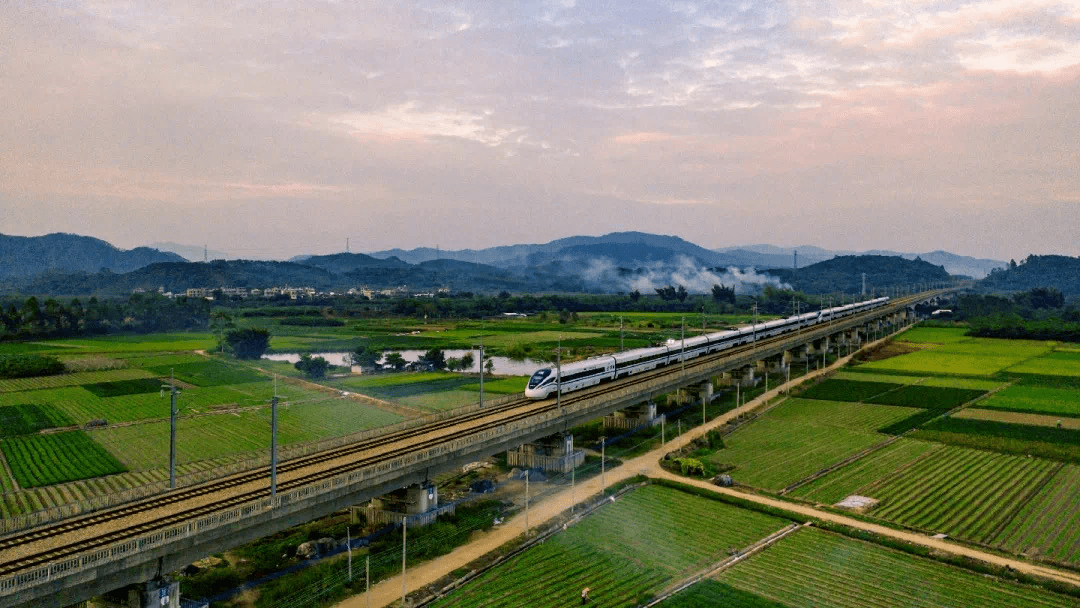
[(88, 554)]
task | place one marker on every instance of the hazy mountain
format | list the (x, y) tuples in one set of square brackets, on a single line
[(783, 257), (26, 256), (1061, 272), (844, 274), (192, 253)]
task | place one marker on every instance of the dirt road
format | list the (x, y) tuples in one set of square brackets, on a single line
[(389, 591)]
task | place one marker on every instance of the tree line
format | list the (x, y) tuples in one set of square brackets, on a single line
[(32, 319)]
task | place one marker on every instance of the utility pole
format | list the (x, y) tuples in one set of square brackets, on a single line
[(682, 368), (404, 531), (481, 364), (621, 333), (527, 475), (558, 374), (173, 392), (348, 545), (273, 444)]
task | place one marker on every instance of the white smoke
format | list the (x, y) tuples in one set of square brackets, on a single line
[(602, 273)]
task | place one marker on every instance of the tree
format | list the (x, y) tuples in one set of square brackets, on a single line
[(396, 361), (467, 361), (248, 343), (219, 322), (365, 357), (313, 367), (434, 358), (635, 295), (489, 365), (453, 364), (722, 293)]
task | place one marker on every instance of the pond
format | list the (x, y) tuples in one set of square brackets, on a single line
[(504, 366)]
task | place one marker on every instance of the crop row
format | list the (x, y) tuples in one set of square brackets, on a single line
[(962, 492), (208, 373), (852, 478), (930, 397), (623, 552), (1036, 400), (39, 460), (847, 390), (1049, 524), (76, 379), (1045, 442), (815, 568), (26, 418)]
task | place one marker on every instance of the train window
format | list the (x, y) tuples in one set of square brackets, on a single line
[(538, 377)]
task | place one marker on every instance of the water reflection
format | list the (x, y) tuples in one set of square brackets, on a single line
[(504, 366)]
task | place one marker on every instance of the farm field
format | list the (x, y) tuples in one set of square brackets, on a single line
[(962, 492), (40, 460), (934, 335), (1048, 524), (1018, 418), (145, 446), (1050, 364), (813, 568), (971, 357), (853, 478), (786, 444), (1035, 400), (855, 373), (624, 552)]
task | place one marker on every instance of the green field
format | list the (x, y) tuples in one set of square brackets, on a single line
[(624, 552), (974, 357), (1036, 400), (801, 437), (928, 397), (813, 568), (856, 373), (76, 379), (935, 335), (146, 446), (1050, 364), (967, 493), (857, 476), (847, 390), (1049, 524), (26, 418), (40, 460)]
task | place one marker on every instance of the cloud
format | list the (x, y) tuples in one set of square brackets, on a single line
[(472, 124)]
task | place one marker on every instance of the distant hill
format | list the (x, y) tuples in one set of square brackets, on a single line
[(27, 256), (771, 256), (1058, 271), (192, 253), (844, 274)]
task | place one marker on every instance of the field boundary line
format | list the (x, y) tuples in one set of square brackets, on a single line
[(714, 569), (839, 465), (7, 469)]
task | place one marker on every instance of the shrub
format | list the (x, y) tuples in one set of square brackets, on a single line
[(27, 366)]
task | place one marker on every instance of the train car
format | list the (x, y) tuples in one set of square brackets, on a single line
[(640, 360), (593, 371), (574, 376)]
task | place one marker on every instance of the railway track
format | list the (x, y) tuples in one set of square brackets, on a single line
[(356, 456)]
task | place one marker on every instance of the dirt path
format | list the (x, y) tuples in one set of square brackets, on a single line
[(388, 591)]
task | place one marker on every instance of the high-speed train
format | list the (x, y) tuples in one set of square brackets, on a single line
[(594, 370)]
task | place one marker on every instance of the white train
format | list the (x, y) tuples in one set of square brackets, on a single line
[(593, 371)]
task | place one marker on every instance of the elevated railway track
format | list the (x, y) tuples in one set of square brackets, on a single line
[(80, 556)]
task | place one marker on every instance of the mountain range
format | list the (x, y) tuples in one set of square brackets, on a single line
[(620, 262)]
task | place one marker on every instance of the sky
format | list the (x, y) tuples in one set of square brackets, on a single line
[(285, 127)]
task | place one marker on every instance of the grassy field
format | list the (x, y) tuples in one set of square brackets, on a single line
[(801, 437), (1050, 364), (624, 553), (973, 357), (935, 335), (856, 374), (145, 446), (847, 390), (1035, 400), (1019, 418), (928, 397), (814, 568), (857, 476), (962, 492), (1049, 524), (40, 460)]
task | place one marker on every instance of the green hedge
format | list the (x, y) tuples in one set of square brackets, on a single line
[(28, 366)]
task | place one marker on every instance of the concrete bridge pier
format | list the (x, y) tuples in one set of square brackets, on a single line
[(554, 453), (154, 593), (747, 376)]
